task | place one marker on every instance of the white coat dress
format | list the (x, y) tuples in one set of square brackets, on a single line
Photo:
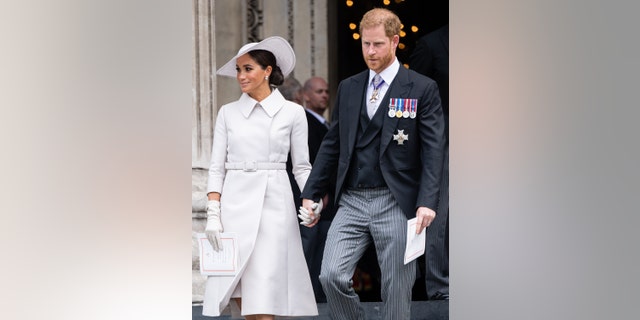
[(258, 206)]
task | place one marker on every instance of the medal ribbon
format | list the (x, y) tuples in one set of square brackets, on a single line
[(377, 83)]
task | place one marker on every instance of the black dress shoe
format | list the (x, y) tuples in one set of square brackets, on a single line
[(439, 296)]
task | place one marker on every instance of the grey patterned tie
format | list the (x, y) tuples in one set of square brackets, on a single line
[(372, 106)]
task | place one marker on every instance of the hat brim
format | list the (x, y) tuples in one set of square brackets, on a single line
[(281, 49)]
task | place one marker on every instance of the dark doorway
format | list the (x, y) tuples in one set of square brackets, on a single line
[(425, 15)]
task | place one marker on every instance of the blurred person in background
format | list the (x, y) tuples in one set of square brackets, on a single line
[(291, 89), (315, 94)]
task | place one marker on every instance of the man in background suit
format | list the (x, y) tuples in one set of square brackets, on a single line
[(431, 58), (386, 145), (291, 89), (315, 96)]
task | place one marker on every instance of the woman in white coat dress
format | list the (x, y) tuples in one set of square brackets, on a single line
[(250, 194)]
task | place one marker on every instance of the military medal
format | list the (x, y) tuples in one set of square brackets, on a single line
[(374, 95), (399, 108), (377, 83), (402, 108), (392, 107), (400, 137), (414, 106), (405, 110)]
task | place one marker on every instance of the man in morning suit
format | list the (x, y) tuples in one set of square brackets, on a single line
[(385, 144)]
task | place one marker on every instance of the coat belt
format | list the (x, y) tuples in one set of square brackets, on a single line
[(251, 166)]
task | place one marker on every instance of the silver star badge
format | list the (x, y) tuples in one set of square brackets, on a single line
[(400, 137)]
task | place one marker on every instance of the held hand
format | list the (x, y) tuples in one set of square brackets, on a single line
[(214, 224), (310, 212), (425, 217), (317, 208)]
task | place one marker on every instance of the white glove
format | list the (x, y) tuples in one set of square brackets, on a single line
[(304, 213), (214, 225)]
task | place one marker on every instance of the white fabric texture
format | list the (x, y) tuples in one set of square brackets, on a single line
[(214, 224), (258, 206), (285, 56)]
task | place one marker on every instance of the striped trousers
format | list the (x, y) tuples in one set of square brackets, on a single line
[(365, 217)]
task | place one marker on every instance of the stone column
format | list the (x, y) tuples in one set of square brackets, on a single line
[(204, 112), (230, 19), (309, 21)]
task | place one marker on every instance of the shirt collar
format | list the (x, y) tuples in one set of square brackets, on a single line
[(387, 74), (319, 117)]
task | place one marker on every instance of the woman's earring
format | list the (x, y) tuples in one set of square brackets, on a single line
[(266, 78)]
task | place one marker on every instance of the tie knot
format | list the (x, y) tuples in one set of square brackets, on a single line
[(377, 81)]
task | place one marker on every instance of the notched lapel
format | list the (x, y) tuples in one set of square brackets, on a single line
[(356, 92)]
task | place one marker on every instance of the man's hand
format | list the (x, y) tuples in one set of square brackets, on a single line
[(425, 217), (310, 212), (214, 224)]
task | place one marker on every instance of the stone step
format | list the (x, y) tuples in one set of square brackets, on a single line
[(420, 310)]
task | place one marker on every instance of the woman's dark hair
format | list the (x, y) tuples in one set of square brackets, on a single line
[(265, 58)]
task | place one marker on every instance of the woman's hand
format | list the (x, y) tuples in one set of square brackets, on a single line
[(214, 224), (310, 212)]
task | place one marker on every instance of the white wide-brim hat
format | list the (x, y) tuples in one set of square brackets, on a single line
[(285, 57)]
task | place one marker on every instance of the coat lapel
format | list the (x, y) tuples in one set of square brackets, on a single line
[(355, 104)]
